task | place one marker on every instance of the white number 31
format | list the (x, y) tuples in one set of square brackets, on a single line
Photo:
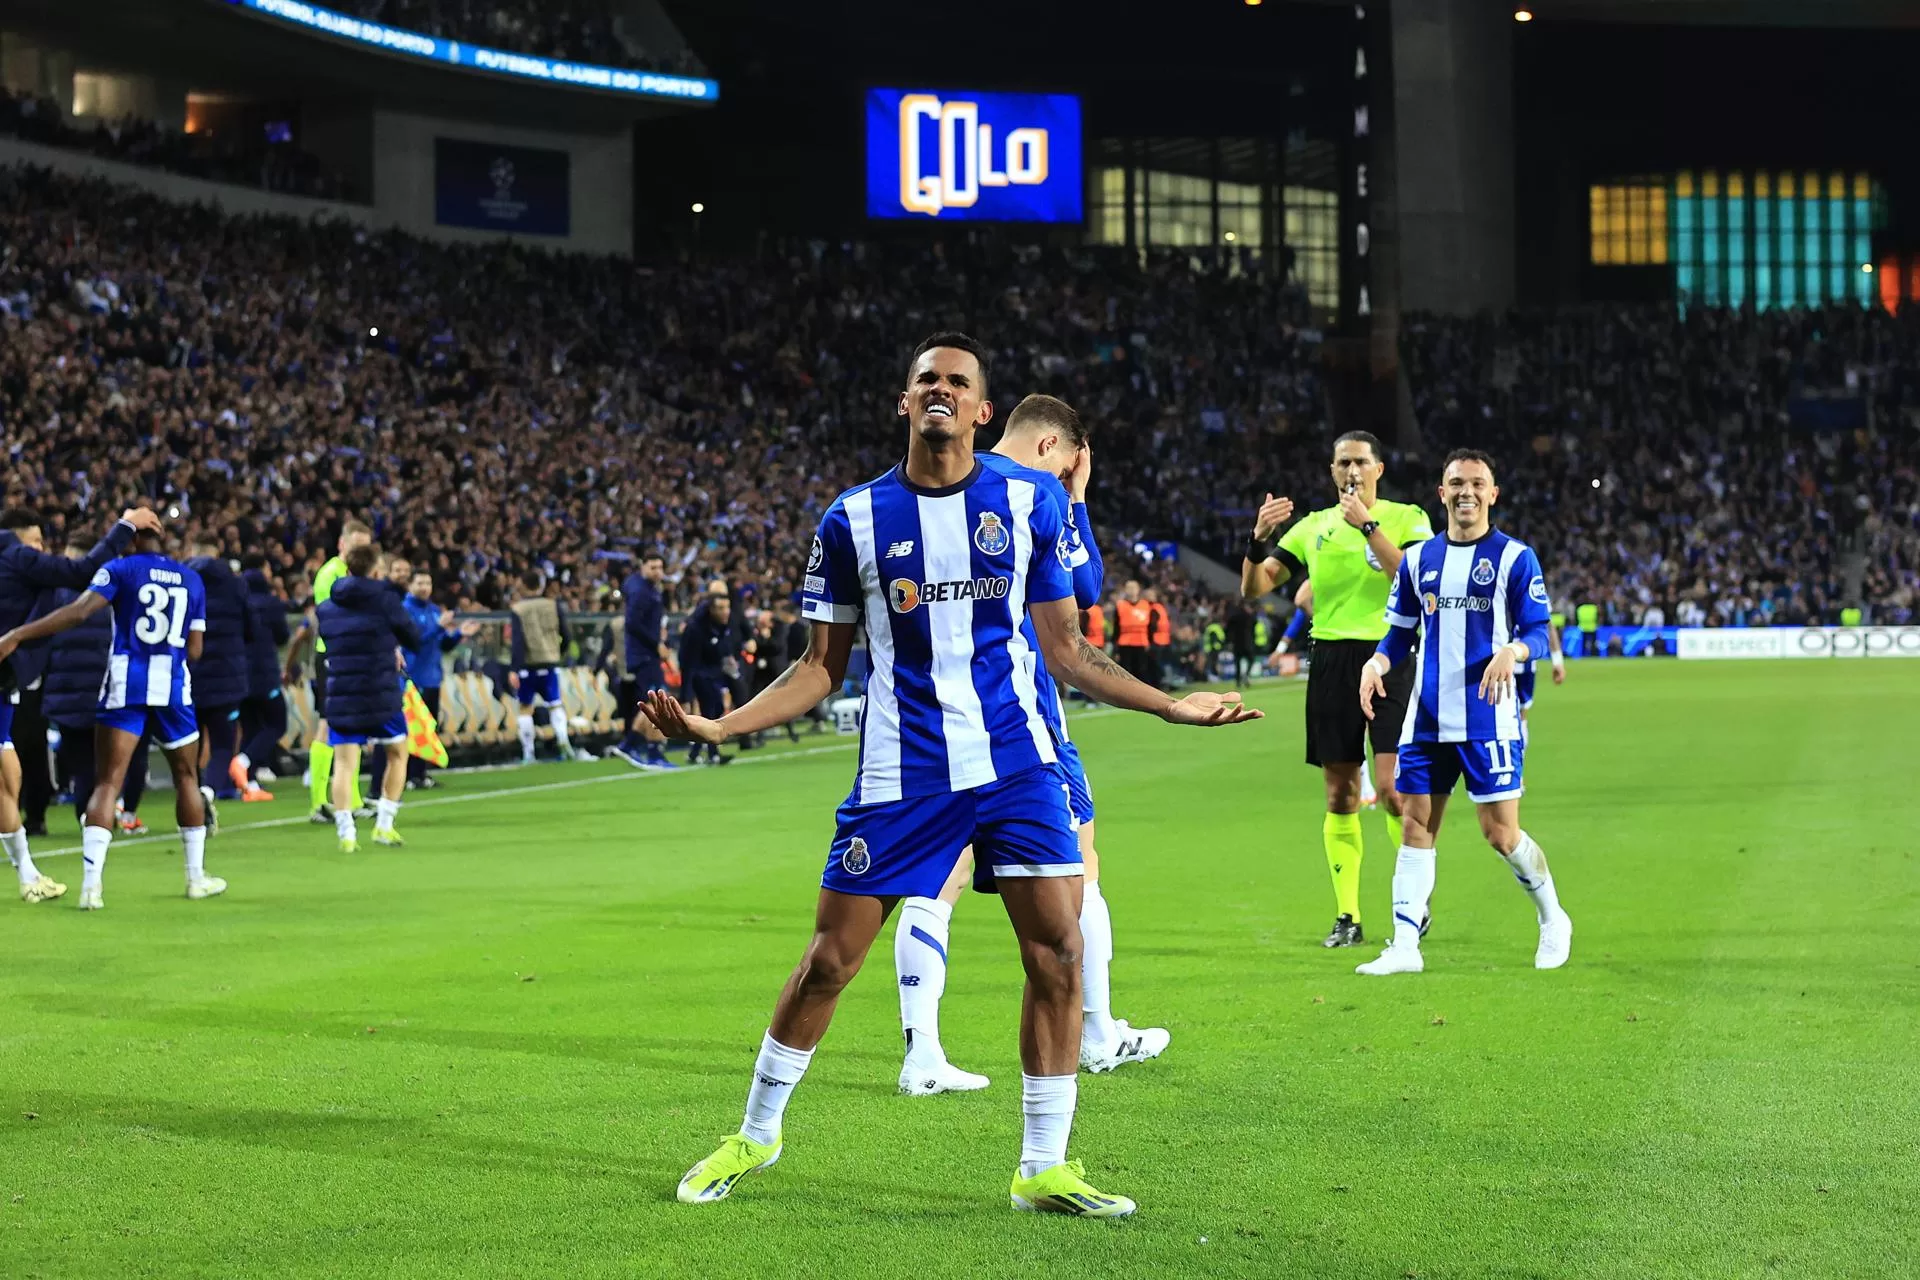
[(165, 618)]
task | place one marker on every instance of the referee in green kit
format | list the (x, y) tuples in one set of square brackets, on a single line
[(1350, 551)]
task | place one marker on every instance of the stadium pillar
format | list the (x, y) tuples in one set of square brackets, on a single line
[(1453, 154)]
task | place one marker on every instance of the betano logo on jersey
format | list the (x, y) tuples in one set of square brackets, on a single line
[(999, 156), (1472, 604), (907, 595)]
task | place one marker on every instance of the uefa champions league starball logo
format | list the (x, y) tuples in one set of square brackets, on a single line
[(501, 174), (856, 860), (815, 556)]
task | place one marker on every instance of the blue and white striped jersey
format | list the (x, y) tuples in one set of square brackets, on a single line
[(942, 579), (156, 604), (1470, 598), (1089, 575)]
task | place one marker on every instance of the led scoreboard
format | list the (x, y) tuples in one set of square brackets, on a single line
[(989, 157)]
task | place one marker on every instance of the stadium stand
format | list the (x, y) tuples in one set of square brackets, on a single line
[(491, 408), (580, 30)]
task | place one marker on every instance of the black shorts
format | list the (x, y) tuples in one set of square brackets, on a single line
[(319, 686), (1336, 729)]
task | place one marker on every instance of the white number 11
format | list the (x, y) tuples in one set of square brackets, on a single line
[(1499, 756)]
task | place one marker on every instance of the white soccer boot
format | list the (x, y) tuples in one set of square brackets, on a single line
[(1395, 959), (90, 899), (923, 1080), (42, 889), (206, 887), (1129, 1044), (1556, 941)]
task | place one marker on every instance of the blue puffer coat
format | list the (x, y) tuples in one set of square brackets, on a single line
[(76, 665), (270, 632), (362, 623), (220, 676)]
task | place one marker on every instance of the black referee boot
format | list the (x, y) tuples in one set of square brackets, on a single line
[(1346, 933)]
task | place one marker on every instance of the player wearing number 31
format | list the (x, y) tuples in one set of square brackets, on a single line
[(1482, 602), (159, 617)]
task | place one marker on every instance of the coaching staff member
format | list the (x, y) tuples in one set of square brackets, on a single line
[(1350, 551)]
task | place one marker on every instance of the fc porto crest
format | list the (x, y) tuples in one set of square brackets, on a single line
[(991, 535), (1482, 572), (856, 859)]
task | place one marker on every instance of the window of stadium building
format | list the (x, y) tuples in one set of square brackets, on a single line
[(1761, 240), (1169, 209)]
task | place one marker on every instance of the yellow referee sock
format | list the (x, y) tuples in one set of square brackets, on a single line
[(1394, 840), (320, 772), (1345, 846)]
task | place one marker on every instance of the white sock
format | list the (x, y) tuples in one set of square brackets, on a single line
[(557, 717), (1529, 865), (920, 961), (1413, 873), (1096, 955), (1047, 1102), (193, 841), (343, 823), (15, 843), (93, 855), (775, 1073), (384, 812), (526, 736), (245, 762)]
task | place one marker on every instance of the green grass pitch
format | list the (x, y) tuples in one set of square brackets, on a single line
[(494, 1053)]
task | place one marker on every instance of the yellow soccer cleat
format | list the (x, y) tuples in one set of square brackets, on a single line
[(43, 889), (1064, 1189), (713, 1178), (349, 845), (389, 838)]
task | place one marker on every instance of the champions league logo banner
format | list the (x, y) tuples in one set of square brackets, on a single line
[(988, 157), (496, 188)]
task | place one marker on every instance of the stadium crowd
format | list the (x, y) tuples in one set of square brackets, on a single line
[(495, 408), (217, 157), (577, 31)]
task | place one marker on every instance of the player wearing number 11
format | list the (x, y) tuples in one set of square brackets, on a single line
[(1478, 602), (159, 616)]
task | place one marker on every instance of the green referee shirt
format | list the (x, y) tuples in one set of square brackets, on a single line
[(330, 572), (1349, 588)]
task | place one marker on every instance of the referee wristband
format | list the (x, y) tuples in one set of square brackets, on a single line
[(1258, 552)]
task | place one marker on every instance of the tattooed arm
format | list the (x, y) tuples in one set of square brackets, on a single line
[(796, 691), (1070, 656)]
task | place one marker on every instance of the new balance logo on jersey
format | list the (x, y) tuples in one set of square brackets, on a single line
[(907, 595), (897, 549), (1430, 575)]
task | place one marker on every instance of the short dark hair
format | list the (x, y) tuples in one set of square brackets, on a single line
[(651, 556), (254, 560), (361, 559), (959, 342), (532, 580), (1471, 455), (13, 519), (1040, 412), (1366, 438)]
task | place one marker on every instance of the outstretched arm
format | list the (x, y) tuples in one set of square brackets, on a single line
[(65, 618), (797, 691), (1070, 656), (1265, 565)]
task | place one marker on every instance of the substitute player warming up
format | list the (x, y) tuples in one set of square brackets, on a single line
[(1481, 599), (939, 559)]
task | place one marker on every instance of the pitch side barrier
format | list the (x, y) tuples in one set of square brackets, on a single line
[(1799, 642)]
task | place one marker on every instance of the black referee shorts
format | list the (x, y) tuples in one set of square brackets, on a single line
[(1336, 730)]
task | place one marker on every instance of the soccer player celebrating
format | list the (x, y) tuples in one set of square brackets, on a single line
[(1042, 434), (939, 558), (540, 639), (1479, 597), (364, 622), (1351, 551), (159, 617), (320, 755), (27, 569)]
